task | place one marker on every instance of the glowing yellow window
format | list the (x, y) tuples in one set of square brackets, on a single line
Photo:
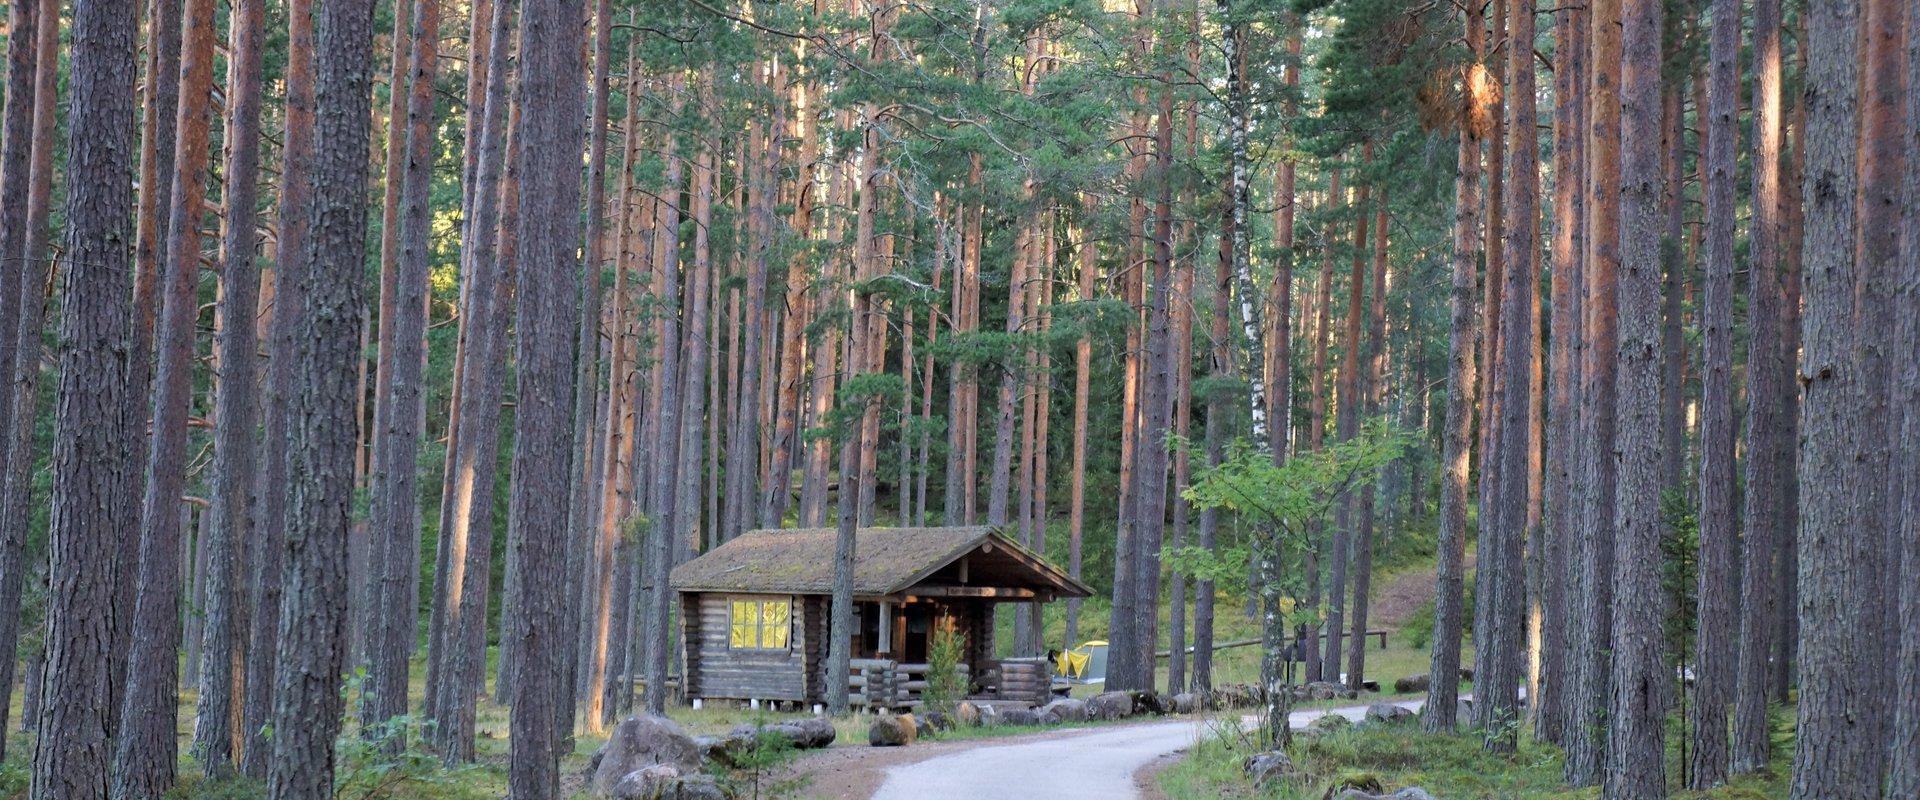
[(759, 624)]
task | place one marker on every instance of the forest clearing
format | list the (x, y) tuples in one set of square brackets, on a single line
[(1299, 399)]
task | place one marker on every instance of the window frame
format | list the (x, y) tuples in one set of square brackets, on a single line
[(759, 625)]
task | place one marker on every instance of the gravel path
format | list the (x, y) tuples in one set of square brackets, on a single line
[(1090, 763)]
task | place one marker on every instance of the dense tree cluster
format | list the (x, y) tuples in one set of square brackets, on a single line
[(423, 339)]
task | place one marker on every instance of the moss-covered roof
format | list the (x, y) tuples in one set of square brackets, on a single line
[(886, 561)]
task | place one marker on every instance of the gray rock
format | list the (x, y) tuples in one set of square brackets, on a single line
[(1186, 703), (1328, 723), (936, 721), (1413, 683), (641, 742), (1265, 769), (1065, 709), (891, 730), (1389, 714), (699, 787), (1022, 716), (1110, 706), (808, 733), (967, 714), (1409, 793), (653, 782), (1321, 690)]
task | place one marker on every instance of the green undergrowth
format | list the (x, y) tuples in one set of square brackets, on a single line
[(1450, 766)]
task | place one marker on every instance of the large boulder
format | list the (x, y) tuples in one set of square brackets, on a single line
[(1186, 703), (1266, 769), (1110, 706), (1413, 683), (967, 714), (1065, 709), (1389, 714), (892, 730), (641, 742)]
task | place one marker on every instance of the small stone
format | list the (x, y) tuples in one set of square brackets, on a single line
[(1389, 714), (1263, 769), (891, 730), (1328, 723)]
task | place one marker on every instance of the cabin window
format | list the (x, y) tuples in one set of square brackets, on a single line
[(760, 624)]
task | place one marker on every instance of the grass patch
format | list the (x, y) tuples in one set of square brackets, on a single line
[(1446, 765)]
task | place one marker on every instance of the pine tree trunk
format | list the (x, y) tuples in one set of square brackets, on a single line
[(665, 457), (15, 173), (396, 495), (150, 250), (1831, 756), (1346, 425), (1590, 589), (550, 137), (1372, 376), (1883, 146), (1501, 587), (267, 556), (1568, 266), (1636, 713), (1903, 766), (1770, 398), (1713, 657), (144, 759), (469, 562), (312, 642), (25, 333), (1089, 256), (1443, 693), (90, 441)]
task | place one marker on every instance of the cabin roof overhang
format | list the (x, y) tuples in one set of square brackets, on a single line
[(979, 563)]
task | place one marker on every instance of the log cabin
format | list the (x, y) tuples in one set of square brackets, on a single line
[(755, 615)]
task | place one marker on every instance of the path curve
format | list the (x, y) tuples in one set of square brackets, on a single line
[(1090, 763)]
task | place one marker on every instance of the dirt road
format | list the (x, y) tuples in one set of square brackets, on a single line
[(1101, 763)]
